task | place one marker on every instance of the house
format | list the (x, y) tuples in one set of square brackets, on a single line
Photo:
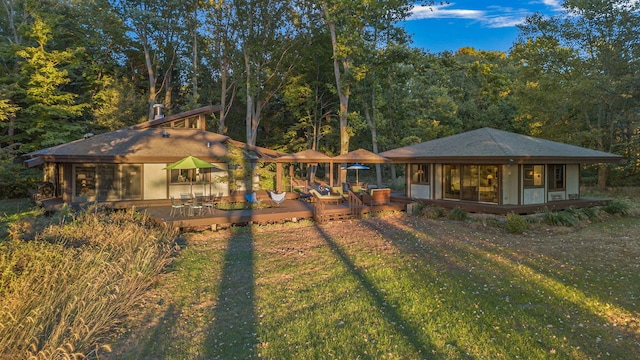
[(491, 166), (126, 166)]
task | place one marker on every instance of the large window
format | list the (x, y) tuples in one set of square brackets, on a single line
[(108, 182), (533, 176), (419, 174), (471, 182), (556, 179)]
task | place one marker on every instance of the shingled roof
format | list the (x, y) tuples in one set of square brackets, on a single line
[(159, 145), (493, 146)]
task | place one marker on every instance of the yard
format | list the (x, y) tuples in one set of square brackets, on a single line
[(395, 287)]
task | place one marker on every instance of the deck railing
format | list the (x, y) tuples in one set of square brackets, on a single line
[(355, 204)]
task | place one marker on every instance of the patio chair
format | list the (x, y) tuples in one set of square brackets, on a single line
[(175, 207), (277, 198), (196, 207), (251, 198)]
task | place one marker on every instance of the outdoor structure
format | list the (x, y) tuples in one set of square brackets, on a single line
[(127, 166), (495, 167)]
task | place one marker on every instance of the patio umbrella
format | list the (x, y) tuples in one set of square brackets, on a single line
[(357, 167), (190, 163)]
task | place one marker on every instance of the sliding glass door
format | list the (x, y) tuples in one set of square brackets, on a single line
[(471, 182)]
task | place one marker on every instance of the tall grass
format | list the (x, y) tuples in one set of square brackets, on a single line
[(65, 292)]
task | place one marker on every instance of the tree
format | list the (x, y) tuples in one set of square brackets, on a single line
[(589, 61), (52, 113)]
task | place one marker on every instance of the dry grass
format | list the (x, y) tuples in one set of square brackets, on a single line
[(63, 293)]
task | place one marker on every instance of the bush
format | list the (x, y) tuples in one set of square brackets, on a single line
[(430, 211), (516, 224), (617, 207), (559, 218), (15, 179), (458, 213)]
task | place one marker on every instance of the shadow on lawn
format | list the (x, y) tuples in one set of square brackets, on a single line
[(391, 314), (514, 295), (233, 331)]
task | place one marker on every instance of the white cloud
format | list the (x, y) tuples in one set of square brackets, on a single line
[(442, 12), (491, 17)]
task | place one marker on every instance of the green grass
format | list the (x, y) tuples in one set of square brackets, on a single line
[(399, 287)]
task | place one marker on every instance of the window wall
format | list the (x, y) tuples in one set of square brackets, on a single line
[(471, 182), (107, 182)]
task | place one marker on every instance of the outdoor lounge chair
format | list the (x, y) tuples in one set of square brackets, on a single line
[(277, 198), (325, 198)]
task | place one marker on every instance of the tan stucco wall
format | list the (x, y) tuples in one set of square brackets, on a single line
[(155, 181)]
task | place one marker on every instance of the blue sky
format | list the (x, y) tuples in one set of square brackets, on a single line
[(481, 24)]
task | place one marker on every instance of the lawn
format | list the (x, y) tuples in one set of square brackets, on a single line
[(395, 287)]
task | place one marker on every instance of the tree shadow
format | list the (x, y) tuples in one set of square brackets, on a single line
[(233, 333), (392, 316)]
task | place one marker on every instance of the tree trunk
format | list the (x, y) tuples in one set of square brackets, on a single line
[(343, 96), (603, 175)]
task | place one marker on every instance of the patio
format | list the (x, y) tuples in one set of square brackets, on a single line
[(289, 210)]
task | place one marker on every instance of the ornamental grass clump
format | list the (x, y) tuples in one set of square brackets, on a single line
[(430, 211), (617, 207), (559, 218), (65, 292), (458, 213)]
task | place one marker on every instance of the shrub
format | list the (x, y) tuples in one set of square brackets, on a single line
[(559, 218), (516, 224), (458, 213), (617, 207), (430, 211), (592, 213)]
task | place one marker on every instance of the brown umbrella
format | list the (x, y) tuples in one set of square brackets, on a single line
[(360, 156)]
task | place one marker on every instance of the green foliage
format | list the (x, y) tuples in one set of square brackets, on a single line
[(560, 218), (15, 179), (515, 223), (429, 211), (458, 213), (618, 207)]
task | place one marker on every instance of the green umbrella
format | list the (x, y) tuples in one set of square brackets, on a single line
[(190, 163)]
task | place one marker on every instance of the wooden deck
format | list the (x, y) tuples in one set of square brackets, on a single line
[(486, 208), (289, 210)]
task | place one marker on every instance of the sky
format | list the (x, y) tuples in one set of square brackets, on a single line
[(481, 24)]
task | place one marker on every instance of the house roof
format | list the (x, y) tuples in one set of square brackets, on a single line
[(489, 145), (360, 156), (147, 145), (156, 122)]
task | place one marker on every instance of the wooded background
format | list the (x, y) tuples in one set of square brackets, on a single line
[(331, 75)]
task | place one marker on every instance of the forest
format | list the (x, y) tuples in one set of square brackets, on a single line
[(330, 75)]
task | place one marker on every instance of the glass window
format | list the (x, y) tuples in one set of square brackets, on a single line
[(419, 174), (556, 177), (85, 181), (533, 176)]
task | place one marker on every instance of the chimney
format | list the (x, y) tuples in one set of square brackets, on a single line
[(157, 111)]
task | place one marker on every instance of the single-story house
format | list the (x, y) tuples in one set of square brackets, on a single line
[(127, 166), (495, 167)]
